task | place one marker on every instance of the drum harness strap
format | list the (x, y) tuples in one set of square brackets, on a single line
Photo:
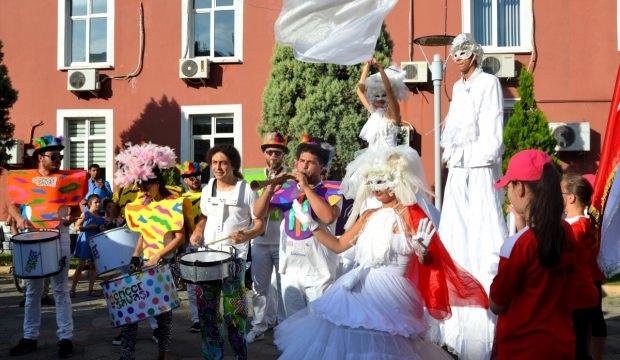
[(221, 203)]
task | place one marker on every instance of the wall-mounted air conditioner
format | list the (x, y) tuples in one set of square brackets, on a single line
[(16, 153), (571, 136), (500, 65), (416, 71), (194, 68), (83, 80)]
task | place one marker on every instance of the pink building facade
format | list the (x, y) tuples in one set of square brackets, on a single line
[(135, 49)]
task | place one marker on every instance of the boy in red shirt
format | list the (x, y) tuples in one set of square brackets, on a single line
[(532, 290)]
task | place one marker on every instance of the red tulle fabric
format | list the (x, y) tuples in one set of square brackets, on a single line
[(442, 282)]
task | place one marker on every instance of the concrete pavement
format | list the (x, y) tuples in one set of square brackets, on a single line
[(93, 334)]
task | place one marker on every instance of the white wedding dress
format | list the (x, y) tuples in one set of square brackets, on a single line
[(371, 312)]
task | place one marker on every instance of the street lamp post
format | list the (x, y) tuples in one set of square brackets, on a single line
[(437, 70), (437, 76)]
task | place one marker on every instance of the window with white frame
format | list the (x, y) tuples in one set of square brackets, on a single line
[(85, 33), (212, 28), (509, 108), (87, 139), (499, 25), (203, 127)]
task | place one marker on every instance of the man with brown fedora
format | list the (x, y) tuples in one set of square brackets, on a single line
[(267, 297)]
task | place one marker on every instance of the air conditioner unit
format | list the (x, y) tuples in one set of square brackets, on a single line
[(500, 65), (194, 68), (16, 153), (415, 71), (571, 136), (83, 80)]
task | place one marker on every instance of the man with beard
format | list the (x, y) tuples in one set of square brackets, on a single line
[(307, 267)]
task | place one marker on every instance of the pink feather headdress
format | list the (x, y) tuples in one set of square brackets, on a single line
[(136, 163)]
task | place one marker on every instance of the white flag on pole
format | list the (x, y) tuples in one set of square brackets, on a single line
[(341, 32)]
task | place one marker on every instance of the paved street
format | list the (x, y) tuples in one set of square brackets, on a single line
[(93, 334)]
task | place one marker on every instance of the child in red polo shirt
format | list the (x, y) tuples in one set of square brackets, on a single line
[(532, 291), (588, 320)]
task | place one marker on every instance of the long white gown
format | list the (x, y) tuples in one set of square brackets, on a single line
[(371, 312), (472, 226)]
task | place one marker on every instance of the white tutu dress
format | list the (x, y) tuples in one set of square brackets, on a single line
[(371, 312), (379, 131)]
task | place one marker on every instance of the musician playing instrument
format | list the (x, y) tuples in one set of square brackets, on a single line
[(49, 178), (307, 267), (226, 206), (267, 294), (159, 218)]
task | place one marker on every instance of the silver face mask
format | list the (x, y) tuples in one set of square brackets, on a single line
[(462, 54)]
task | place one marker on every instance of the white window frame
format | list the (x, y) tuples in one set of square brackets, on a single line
[(509, 103), (187, 46), (107, 114), (186, 126), (64, 39), (526, 27)]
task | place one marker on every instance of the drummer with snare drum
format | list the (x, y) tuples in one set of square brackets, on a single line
[(226, 205), (158, 212), (46, 179)]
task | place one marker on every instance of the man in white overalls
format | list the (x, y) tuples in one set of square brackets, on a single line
[(226, 206), (307, 267)]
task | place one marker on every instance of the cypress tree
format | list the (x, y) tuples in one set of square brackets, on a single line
[(8, 96), (527, 127)]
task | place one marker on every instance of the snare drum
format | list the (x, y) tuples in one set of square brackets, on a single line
[(112, 250), (36, 254), (146, 293), (204, 266)]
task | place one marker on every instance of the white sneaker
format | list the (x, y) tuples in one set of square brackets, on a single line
[(254, 335)]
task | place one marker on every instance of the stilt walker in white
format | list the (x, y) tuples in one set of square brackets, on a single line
[(472, 226)]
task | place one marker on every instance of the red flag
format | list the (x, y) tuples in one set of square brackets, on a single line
[(610, 156)]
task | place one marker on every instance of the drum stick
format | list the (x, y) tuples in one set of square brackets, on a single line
[(227, 237), (217, 241)]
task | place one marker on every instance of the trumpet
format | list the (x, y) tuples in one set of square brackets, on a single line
[(256, 185)]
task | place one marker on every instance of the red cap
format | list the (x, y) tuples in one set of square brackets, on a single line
[(591, 178), (526, 165)]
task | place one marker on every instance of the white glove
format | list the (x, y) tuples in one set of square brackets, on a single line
[(423, 236), (305, 218)]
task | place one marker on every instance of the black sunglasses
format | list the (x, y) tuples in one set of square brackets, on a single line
[(274, 152), (54, 157)]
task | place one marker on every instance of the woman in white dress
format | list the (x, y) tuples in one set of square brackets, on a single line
[(376, 310), (380, 93)]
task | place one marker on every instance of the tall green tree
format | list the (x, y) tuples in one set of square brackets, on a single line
[(319, 100), (527, 127), (8, 96)]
